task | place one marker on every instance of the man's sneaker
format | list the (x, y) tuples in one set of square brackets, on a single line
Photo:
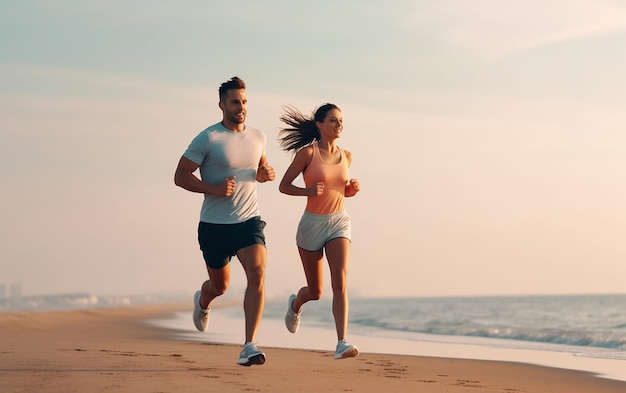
[(292, 318), (251, 355), (345, 350), (200, 315)]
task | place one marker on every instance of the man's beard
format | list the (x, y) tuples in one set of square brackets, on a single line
[(236, 119)]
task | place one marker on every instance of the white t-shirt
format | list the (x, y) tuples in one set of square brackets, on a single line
[(222, 153)]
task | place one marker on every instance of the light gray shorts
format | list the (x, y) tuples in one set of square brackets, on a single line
[(315, 230)]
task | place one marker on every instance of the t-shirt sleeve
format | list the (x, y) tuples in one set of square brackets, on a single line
[(198, 149)]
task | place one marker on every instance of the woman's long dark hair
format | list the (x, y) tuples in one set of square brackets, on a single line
[(302, 130)]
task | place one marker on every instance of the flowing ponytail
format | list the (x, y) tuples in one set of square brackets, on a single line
[(302, 130)]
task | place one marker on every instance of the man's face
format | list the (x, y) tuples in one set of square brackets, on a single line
[(234, 106)]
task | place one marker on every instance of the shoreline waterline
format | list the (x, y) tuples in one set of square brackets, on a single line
[(227, 324)]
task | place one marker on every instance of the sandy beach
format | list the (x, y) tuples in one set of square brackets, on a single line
[(114, 350)]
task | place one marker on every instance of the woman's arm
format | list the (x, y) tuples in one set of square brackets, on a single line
[(298, 165), (353, 185)]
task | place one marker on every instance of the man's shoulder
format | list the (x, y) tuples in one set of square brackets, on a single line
[(210, 129), (214, 127)]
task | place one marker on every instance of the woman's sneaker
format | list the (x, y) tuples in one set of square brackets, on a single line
[(345, 350), (292, 318), (200, 315), (250, 355)]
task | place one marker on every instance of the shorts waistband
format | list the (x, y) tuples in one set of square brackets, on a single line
[(315, 216)]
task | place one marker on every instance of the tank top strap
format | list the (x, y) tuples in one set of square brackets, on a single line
[(318, 155)]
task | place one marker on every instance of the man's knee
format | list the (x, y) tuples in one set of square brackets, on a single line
[(215, 286), (219, 289), (256, 275)]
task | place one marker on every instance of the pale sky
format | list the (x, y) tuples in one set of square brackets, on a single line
[(489, 138)]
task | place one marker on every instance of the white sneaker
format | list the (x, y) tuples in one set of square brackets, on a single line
[(200, 315), (345, 350), (250, 355), (292, 318)]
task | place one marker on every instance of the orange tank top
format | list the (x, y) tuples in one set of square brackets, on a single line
[(334, 176)]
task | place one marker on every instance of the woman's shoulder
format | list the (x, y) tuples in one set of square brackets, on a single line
[(348, 155), (345, 151), (304, 156), (306, 151)]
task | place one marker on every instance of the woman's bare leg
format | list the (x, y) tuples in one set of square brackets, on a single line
[(313, 270), (338, 253)]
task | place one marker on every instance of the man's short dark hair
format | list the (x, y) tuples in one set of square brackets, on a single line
[(234, 83)]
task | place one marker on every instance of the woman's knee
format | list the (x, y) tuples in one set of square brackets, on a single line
[(315, 293), (338, 286)]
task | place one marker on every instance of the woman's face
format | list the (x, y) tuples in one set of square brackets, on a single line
[(332, 125)]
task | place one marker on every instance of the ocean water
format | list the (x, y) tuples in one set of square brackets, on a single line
[(586, 333), (597, 322)]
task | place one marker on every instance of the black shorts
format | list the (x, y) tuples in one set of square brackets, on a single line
[(220, 242)]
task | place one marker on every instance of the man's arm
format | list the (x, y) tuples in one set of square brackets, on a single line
[(265, 172), (184, 177)]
